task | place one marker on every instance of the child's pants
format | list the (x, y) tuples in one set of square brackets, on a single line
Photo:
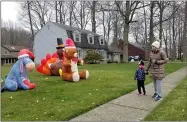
[(157, 86), (140, 84)]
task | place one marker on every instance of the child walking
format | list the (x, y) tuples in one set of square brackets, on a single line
[(140, 78)]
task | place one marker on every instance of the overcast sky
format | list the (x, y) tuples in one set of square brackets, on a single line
[(9, 11)]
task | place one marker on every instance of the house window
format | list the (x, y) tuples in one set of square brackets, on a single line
[(101, 40), (77, 36), (91, 39), (5, 52)]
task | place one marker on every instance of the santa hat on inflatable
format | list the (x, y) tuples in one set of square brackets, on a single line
[(26, 53), (69, 43)]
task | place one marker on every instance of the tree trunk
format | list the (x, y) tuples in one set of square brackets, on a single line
[(151, 33), (71, 13), (166, 43), (125, 43), (56, 11), (126, 32), (81, 15), (179, 39), (185, 33), (60, 12), (173, 27), (104, 28), (31, 26), (161, 29), (93, 16), (170, 40), (115, 27), (145, 40)]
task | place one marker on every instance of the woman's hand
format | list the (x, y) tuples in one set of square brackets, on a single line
[(146, 72)]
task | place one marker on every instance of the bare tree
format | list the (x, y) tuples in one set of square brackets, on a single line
[(161, 5), (62, 10), (184, 32), (130, 8), (93, 10), (30, 21), (13, 35), (151, 26), (56, 12), (173, 35), (40, 13), (145, 35), (81, 14)]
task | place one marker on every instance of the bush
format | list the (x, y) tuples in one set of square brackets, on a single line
[(109, 61), (115, 61), (122, 61), (93, 58)]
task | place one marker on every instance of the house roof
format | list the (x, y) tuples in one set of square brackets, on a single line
[(7, 56), (114, 48), (13, 48), (137, 45), (84, 41), (71, 28)]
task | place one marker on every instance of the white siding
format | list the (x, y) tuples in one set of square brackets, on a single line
[(116, 57), (80, 53), (83, 52), (109, 57), (103, 53), (46, 40), (4, 51)]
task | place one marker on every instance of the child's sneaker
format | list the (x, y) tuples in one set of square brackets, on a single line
[(139, 94), (155, 94), (158, 98)]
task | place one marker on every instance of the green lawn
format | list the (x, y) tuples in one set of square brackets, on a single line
[(54, 99), (173, 107)]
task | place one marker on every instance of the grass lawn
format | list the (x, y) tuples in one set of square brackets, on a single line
[(54, 99), (173, 107)]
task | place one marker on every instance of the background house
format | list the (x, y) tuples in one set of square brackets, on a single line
[(9, 53), (115, 51), (46, 40)]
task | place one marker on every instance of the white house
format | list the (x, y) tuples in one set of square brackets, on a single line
[(46, 40)]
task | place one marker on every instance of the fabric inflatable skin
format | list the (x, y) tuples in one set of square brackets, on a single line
[(69, 66), (46, 63), (17, 78), (52, 63)]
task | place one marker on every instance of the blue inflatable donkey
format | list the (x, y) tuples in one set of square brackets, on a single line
[(17, 78)]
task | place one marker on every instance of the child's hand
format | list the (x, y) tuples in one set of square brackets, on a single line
[(146, 72)]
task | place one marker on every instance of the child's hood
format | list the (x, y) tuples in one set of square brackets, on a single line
[(141, 66)]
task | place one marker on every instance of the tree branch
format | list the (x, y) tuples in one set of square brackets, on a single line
[(167, 18), (121, 12)]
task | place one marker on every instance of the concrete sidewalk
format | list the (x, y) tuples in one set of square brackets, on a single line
[(131, 107)]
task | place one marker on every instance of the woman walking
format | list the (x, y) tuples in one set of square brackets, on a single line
[(156, 64)]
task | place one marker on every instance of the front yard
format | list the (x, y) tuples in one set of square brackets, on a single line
[(173, 107), (54, 99)]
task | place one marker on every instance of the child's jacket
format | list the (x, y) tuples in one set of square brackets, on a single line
[(140, 73)]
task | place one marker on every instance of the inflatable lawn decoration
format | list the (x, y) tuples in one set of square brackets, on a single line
[(69, 66), (53, 62), (18, 77)]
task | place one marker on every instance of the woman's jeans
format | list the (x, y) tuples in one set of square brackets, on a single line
[(157, 86)]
